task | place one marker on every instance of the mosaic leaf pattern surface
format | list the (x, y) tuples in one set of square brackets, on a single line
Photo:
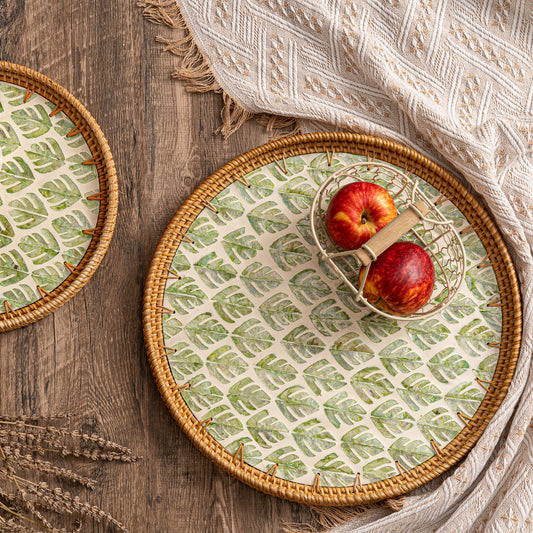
[(43, 197), (283, 360)]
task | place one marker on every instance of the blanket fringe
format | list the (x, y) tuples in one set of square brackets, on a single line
[(329, 517), (195, 72)]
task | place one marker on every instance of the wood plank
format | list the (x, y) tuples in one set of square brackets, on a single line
[(88, 358)]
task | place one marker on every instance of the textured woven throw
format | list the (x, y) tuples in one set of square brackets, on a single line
[(452, 79)]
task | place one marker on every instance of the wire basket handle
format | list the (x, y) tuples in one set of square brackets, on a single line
[(388, 235)]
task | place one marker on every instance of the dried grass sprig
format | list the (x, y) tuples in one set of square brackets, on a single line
[(27, 503)]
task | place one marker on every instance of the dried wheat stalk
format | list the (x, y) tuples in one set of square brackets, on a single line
[(27, 450)]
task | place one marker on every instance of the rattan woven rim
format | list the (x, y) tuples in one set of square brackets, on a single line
[(40, 84), (411, 161)]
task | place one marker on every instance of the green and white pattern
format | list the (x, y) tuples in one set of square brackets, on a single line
[(284, 361), (43, 197)]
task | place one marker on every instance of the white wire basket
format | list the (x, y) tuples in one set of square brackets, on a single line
[(418, 221)]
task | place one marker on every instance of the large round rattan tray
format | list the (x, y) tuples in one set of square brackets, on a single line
[(156, 311), (59, 103)]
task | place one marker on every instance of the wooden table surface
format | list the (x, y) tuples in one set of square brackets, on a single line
[(88, 357)]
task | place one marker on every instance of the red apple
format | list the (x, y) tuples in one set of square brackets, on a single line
[(358, 211), (401, 280)]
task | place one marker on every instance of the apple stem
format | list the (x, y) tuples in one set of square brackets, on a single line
[(363, 220)]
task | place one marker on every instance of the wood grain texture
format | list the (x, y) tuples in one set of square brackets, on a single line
[(88, 357)]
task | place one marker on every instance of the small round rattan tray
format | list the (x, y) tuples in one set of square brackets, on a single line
[(273, 370), (58, 196)]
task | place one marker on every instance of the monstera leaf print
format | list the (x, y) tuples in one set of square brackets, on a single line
[(465, 398), (343, 409), (33, 121), (350, 351), (482, 282), (427, 333), (397, 357), (288, 252), (205, 330), (329, 318), (260, 279), (260, 187), (40, 247), (334, 472), (446, 365), (370, 384), (268, 217), (274, 372), (486, 368), (266, 430), (9, 142), (14, 94), (297, 194), (279, 311), (227, 208), (410, 453), (288, 464), (184, 295), (223, 422), (460, 307), (438, 425), (230, 303), (390, 419), (359, 443), (301, 344), (312, 437), (417, 391), (70, 228), (201, 394), (16, 175), (250, 454), (251, 338), (307, 286), (239, 246), (323, 377), (474, 337), (213, 271), (379, 469), (46, 156), (295, 402), (50, 276), (202, 233), (12, 268), (20, 296), (60, 193), (6, 232), (247, 396), (376, 327), (183, 361), (225, 365)]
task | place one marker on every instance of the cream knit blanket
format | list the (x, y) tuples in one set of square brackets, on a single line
[(452, 79)]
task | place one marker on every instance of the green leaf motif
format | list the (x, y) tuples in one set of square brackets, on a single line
[(288, 252), (40, 247), (265, 429), (278, 311), (329, 317), (60, 193), (16, 175), (20, 296), (493, 317), (180, 262), (308, 286), (260, 279), (33, 121), (370, 384), (28, 212), (390, 419), (202, 233), (348, 298), (70, 228), (295, 402), (465, 398), (304, 229), (320, 168), (473, 337), (290, 467), (379, 469), (425, 334), (9, 141), (171, 326), (399, 357), (486, 368), (251, 338), (239, 246), (201, 394), (447, 365), (459, 308), (274, 372), (482, 283), (230, 304), (14, 93), (359, 444), (204, 330), (418, 391), (74, 255), (260, 187), (297, 195), (284, 169), (439, 425), (13, 269), (451, 212), (183, 361), (185, 295), (334, 472), (267, 217), (247, 396), (377, 327), (6, 231), (46, 156), (50, 276), (225, 365), (473, 246), (250, 454), (323, 377), (64, 125), (349, 351), (342, 408), (410, 453), (84, 173), (223, 423), (312, 437), (228, 208), (301, 344), (213, 271)]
